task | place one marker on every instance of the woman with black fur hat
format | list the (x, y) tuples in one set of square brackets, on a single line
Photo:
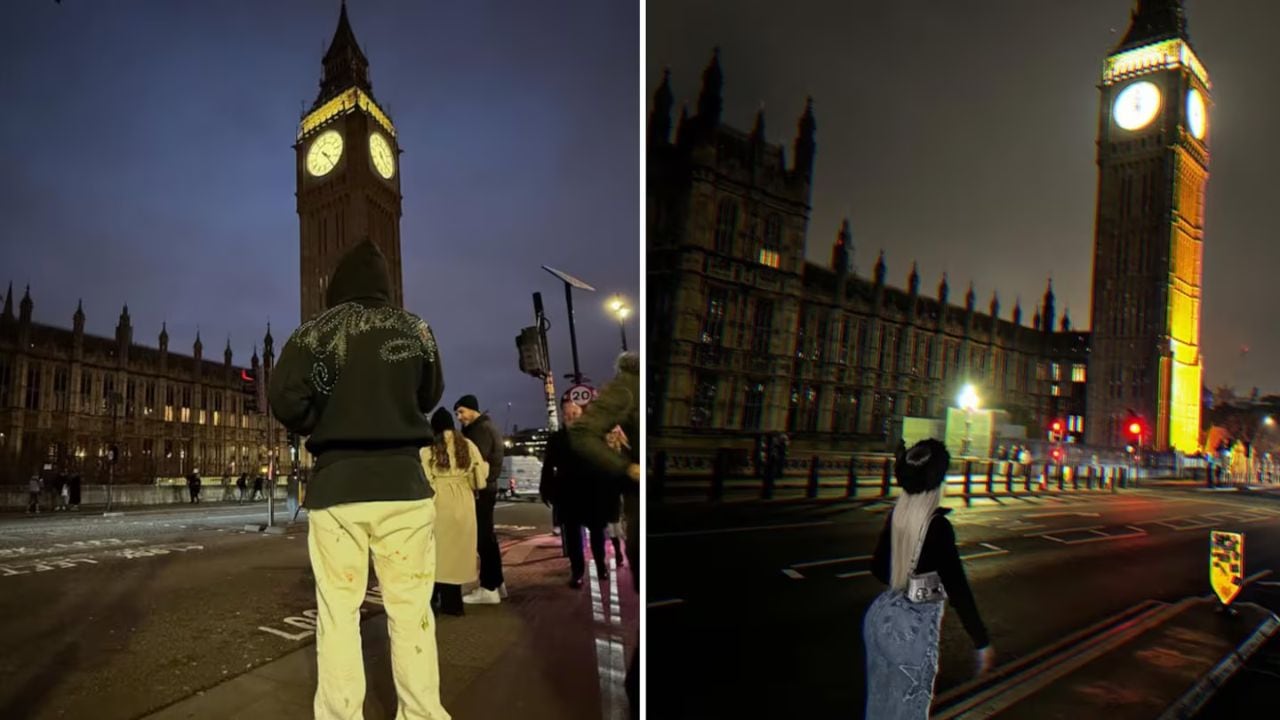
[(917, 557)]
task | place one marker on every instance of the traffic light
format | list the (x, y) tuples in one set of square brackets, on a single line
[(249, 386), (1135, 429), (529, 344), (1055, 430), (1056, 454)]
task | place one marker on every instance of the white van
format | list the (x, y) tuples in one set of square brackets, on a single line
[(520, 477)]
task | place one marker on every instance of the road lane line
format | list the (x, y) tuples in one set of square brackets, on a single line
[(832, 561), (752, 528), (665, 603), (1047, 535), (858, 573), (1064, 514), (792, 574)]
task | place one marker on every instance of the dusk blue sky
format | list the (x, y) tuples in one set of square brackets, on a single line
[(147, 159), (962, 135)]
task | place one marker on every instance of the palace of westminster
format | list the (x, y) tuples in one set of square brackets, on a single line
[(66, 397), (748, 337)]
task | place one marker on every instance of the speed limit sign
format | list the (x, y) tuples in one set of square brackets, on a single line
[(580, 395)]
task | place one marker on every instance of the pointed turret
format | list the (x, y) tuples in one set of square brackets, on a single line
[(226, 354), (880, 270), (197, 348), (970, 298), (710, 101), (1017, 311), (25, 307), (124, 335), (1035, 321), (253, 361), (995, 306), (843, 248), (1154, 20), (757, 130), (77, 320), (1047, 312), (164, 337), (806, 146), (345, 65), (660, 120), (268, 349), (944, 290), (8, 304), (1066, 321), (913, 280)]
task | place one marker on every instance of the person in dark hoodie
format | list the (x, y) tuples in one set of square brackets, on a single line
[(479, 429), (618, 405), (581, 500), (359, 380)]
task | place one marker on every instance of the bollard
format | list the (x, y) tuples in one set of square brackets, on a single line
[(851, 490), (813, 478), (718, 470), (991, 477), (884, 482), (1008, 478), (968, 479), (659, 475)]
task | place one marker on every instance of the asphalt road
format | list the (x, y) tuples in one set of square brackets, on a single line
[(110, 618), (755, 610)]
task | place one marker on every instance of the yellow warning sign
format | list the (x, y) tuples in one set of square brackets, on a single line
[(1226, 564)]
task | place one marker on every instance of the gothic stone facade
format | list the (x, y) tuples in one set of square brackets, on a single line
[(171, 413), (746, 337)]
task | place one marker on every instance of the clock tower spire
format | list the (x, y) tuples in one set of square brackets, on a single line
[(348, 174), (1153, 165)]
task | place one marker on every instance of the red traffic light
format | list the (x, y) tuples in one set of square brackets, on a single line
[(1135, 428), (1057, 455), (1056, 426)]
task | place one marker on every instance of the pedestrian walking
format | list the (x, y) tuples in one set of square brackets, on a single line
[(583, 498), (359, 380), (456, 471), (64, 492), (34, 486), (479, 429), (618, 442), (242, 485), (193, 485), (74, 495), (257, 488), (618, 404), (916, 555)]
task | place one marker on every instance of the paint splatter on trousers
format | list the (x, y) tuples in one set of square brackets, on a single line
[(401, 536)]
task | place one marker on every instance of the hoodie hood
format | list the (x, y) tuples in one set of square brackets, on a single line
[(361, 275)]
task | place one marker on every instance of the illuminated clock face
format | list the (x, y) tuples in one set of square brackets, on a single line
[(384, 160), (1195, 113), (1137, 105), (324, 153)]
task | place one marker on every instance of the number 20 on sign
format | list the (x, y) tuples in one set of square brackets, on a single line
[(1226, 564)]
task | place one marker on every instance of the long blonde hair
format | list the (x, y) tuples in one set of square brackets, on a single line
[(911, 517)]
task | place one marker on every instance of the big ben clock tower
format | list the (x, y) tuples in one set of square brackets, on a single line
[(348, 172), (1153, 164)]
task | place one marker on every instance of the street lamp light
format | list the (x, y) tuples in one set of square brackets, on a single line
[(619, 308), (968, 402)]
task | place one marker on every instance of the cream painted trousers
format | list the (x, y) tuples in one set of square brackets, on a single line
[(402, 538)]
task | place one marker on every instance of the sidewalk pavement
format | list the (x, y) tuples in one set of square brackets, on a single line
[(543, 654)]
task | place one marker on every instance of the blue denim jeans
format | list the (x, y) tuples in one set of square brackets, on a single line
[(901, 638)]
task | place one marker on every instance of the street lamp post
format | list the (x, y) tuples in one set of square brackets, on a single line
[(571, 282), (620, 310)]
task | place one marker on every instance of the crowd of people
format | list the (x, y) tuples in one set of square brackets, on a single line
[(394, 477), (63, 493)]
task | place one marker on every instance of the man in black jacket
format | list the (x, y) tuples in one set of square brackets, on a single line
[(582, 499), (479, 429), (358, 380)]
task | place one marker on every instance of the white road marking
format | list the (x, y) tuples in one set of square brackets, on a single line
[(306, 622), (665, 603), (752, 528), (1099, 535), (611, 663), (858, 573), (794, 575), (992, 552), (1066, 530), (832, 561), (1064, 514)]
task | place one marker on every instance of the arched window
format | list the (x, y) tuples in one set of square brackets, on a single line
[(726, 225)]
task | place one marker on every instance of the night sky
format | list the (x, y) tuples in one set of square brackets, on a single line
[(962, 135), (147, 159)]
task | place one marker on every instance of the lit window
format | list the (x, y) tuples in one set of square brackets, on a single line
[(770, 257), (186, 414), (1057, 372), (168, 413), (217, 418), (202, 417), (1057, 390), (1077, 373)]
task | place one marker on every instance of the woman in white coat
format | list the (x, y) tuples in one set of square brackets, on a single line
[(455, 469)]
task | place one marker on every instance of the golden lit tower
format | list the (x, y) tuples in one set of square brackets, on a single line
[(348, 172), (1153, 163)]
